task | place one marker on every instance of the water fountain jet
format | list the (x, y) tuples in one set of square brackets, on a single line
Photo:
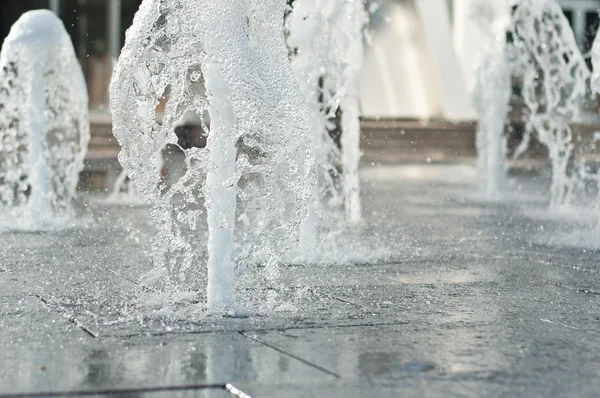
[(326, 43), (545, 55), (255, 177), (491, 95), (44, 126)]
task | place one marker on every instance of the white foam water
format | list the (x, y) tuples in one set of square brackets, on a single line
[(252, 182), (124, 191), (44, 125)]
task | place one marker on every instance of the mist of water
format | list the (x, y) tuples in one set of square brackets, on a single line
[(44, 126), (124, 190), (253, 180), (491, 95)]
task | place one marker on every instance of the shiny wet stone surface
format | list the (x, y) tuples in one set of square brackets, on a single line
[(437, 293)]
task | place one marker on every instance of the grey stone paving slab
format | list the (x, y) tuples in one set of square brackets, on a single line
[(436, 293), (143, 362)]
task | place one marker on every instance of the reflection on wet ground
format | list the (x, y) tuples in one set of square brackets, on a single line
[(437, 294)]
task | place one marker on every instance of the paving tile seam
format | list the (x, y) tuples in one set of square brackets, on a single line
[(573, 288), (370, 309), (564, 325), (289, 354), (520, 257), (143, 287), (331, 296), (245, 330), (570, 267), (67, 316), (122, 391), (490, 375)]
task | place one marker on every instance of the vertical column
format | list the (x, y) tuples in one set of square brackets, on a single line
[(55, 6), (114, 28), (222, 198), (579, 26)]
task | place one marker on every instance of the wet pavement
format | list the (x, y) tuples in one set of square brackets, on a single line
[(437, 293)]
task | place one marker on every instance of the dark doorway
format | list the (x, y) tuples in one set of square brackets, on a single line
[(11, 10)]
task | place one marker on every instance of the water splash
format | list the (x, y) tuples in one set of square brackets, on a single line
[(554, 83), (44, 127), (254, 178), (327, 50), (491, 95), (124, 190)]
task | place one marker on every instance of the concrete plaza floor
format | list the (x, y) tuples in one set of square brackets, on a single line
[(437, 293)]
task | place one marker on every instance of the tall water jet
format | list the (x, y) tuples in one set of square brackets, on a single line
[(44, 126), (595, 78), (327, 51), (255, 176), (308, 27), (491, 94), (554, 74), (591, 173), (347, 63)]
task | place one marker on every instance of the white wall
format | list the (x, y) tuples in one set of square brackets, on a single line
[(468, 39), (396, 80), (411, 69), (453, 93)]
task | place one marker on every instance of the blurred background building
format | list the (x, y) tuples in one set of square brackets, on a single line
[(418, 66), (97, 28), (421, 61), (418, 69)]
